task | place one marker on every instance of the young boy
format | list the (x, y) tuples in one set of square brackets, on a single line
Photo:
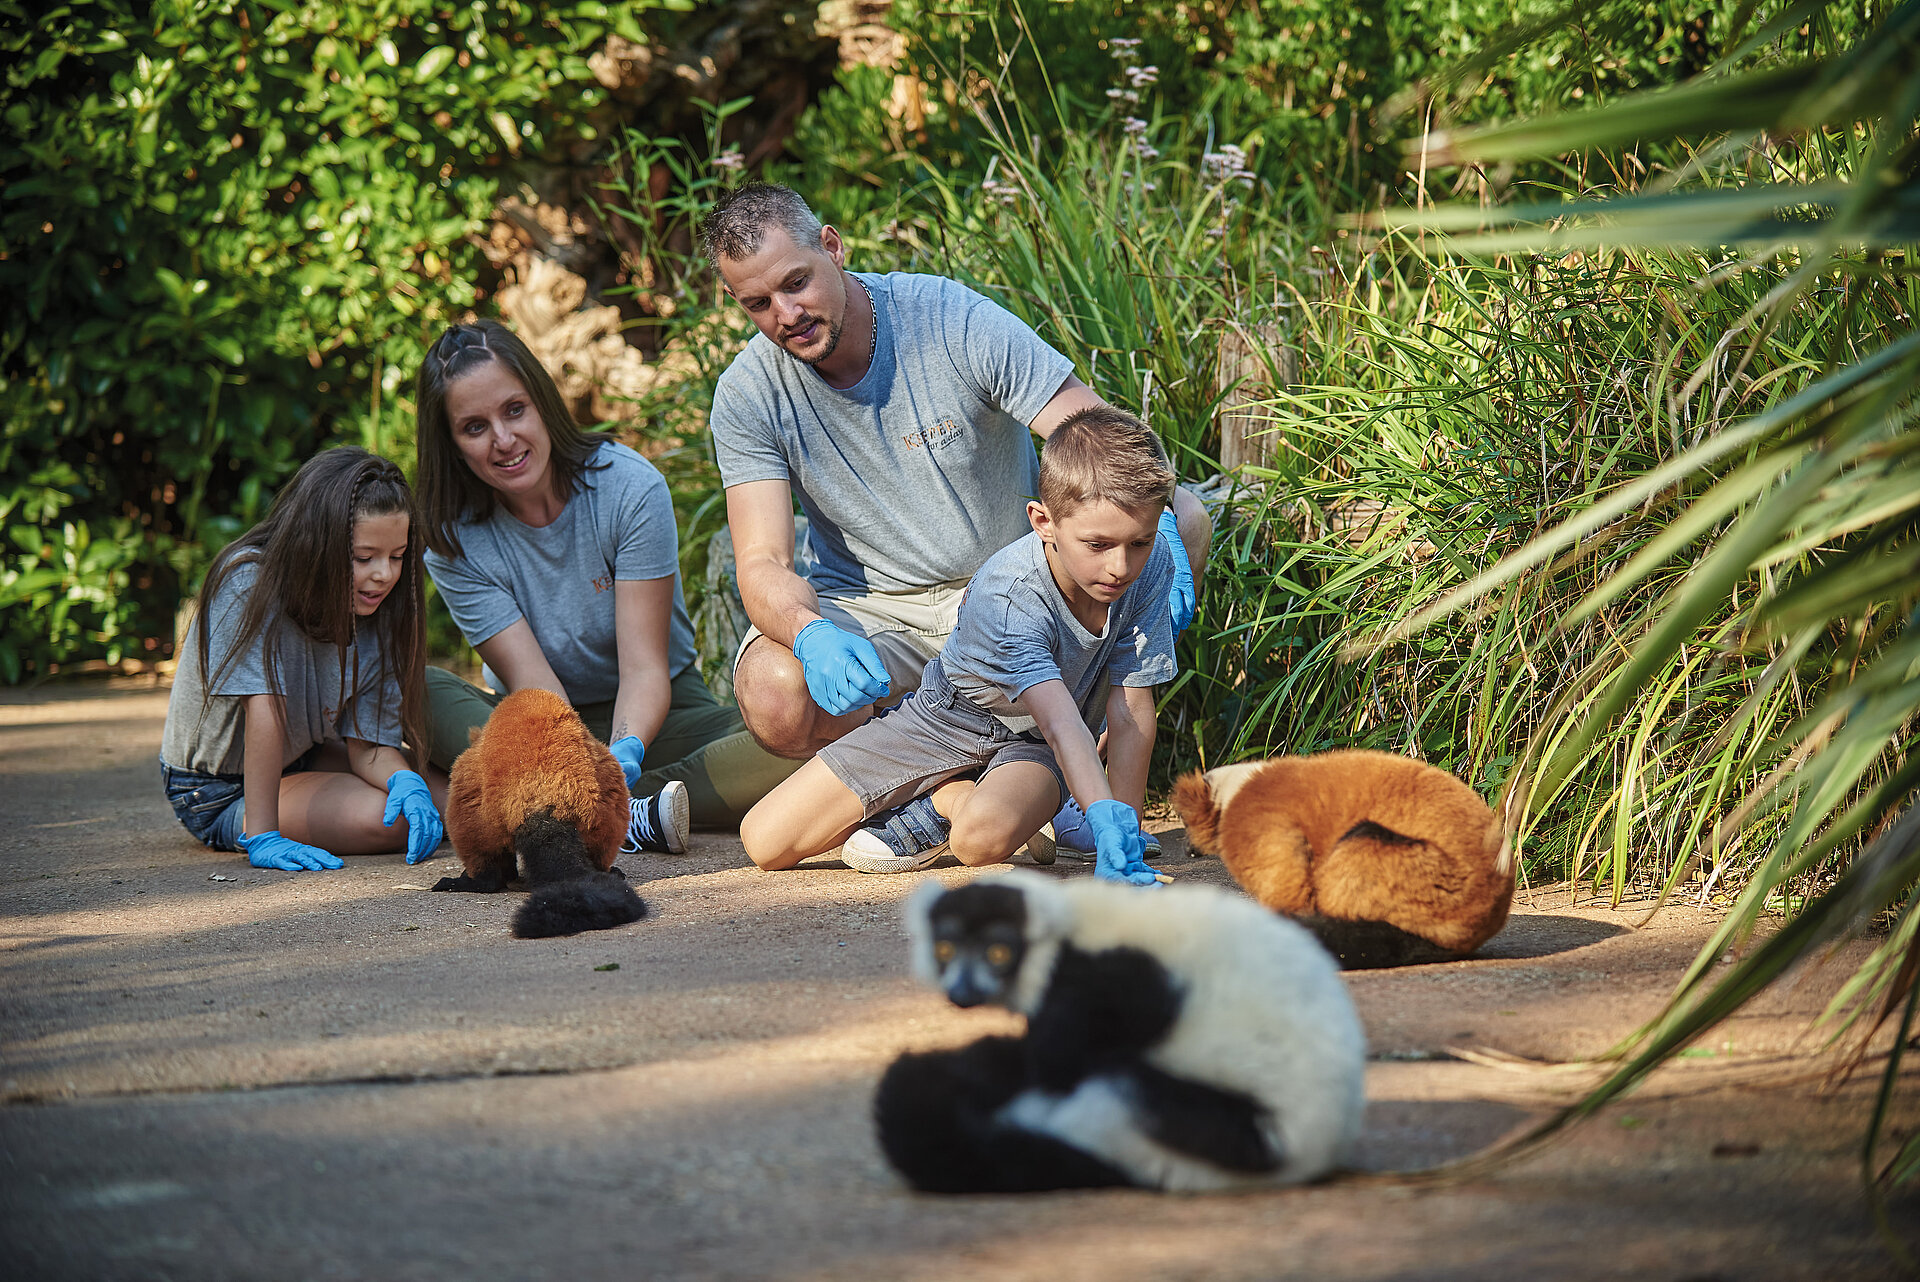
[(1060, 629)]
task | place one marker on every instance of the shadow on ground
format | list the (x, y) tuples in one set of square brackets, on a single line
[(213, 1072)]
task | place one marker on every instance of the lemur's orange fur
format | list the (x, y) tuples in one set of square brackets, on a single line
[(1440, 870), (533, 754)]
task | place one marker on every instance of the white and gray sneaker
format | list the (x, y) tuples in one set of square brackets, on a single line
[(906, 839), (659, 823)]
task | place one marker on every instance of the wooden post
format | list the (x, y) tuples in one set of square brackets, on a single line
[(1253, 363)]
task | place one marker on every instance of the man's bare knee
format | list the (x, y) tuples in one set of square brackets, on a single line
[(774, 704), (776, 707)]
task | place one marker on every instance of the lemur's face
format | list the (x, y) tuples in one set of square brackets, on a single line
[(979, 940)]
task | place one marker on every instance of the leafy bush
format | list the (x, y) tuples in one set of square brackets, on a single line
[(228, 229)]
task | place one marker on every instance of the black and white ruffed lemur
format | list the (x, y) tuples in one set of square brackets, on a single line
[(1184, 1039)]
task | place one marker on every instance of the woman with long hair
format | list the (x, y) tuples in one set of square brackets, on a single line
[(557, 554)]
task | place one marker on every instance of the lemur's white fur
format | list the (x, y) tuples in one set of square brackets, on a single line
[(1264, 1012), (1224, 781)]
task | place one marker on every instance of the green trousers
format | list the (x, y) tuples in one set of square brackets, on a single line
[(702, 743)]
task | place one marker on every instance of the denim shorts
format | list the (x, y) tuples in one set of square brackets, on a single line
[(935, 735), (212, 807)]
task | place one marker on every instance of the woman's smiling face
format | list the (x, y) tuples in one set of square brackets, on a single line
[(500, 433)]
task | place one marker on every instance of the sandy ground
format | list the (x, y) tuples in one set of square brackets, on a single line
[(209, 1072)]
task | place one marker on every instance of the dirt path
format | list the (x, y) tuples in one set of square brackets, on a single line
[(208, 1071)]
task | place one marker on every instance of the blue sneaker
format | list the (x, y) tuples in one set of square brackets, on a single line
[(1071, 835), (903, 840)]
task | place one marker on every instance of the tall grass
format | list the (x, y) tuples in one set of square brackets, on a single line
[(1788, 559), (1447, 411)]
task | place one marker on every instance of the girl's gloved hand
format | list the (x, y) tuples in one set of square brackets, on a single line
[(1119, 844), (628, 751), (1182, 599), (408, 794), (842, 668), (271, 850)]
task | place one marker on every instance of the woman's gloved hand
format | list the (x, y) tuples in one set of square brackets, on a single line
[(628, 751), (408, 794), (271, 850)]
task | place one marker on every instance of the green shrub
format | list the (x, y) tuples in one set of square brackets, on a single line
[(228, 228)]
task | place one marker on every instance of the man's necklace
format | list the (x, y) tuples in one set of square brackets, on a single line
[(873, 322)]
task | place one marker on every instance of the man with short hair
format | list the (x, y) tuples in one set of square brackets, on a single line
[(897, 407)]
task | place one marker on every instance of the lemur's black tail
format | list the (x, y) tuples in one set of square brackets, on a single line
[(570, 893), (937, 1113), (598, 901)]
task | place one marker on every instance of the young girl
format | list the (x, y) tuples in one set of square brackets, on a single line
[(301, 678), (556, 552)]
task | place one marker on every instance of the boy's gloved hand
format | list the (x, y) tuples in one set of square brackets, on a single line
[(628, 751), (408, 794), (1182, 598), (843, 669), (271, 850), (1120, 846)]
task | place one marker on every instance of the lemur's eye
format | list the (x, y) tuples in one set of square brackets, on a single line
[(943, 952), (999, 954)]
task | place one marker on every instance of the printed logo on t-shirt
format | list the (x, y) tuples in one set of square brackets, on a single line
[(934, 437), (327, 715), (601, 584)]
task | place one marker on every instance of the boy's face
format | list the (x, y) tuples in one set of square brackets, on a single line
[(1101, 547)]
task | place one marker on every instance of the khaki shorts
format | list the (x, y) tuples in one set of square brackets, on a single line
[(907, 628)]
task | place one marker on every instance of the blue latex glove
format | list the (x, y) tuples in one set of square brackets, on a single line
[(1183, 598), (408, 794), (1120, 846), (843, 669), (271, 850), (628, 750)]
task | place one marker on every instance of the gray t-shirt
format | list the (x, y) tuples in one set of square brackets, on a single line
[(617, 526), (1015, 631), (209, 735), (919, 472)]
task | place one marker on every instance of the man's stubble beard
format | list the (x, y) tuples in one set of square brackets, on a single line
[(833, 342)]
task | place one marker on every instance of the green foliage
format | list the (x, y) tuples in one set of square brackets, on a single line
[(227, 228), (1786, 570), (1307, 86)]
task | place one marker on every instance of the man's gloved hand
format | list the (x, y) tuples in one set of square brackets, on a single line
[(408, 794), (628, 751), (1119, 844), (843, 669), (1183, 598), (271, 850)]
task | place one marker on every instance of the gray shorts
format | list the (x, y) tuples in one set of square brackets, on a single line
[(907, 628), (934, 736)]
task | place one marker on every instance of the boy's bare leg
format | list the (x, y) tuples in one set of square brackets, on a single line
[(810, 813), (994, 817)]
